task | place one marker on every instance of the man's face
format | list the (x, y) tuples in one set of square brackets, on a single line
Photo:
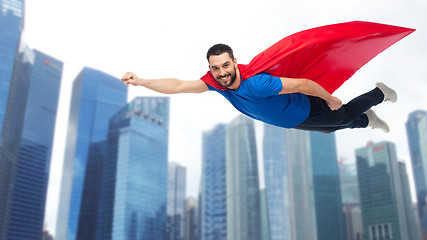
[(223, 69)]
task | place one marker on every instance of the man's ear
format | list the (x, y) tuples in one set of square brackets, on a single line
[(235, 62)]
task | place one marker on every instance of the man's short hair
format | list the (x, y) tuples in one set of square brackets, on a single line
[(219, 49)]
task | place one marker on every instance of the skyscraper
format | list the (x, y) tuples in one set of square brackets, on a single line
[(11, 19), (276, 175), (12, 24), (265, 224), (243, 193), (351, 201), (96, 97), (191, 219), (133, 193), (413, 227), (416, 129), (301, 190), (314, 192), (213, 200), (27, 141), (381, 192), (326, 184), (176, 209)]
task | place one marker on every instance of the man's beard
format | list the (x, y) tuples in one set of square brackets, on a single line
[(231, 81)]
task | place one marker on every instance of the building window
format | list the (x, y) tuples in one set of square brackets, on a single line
[(380, 232), (374, 233)]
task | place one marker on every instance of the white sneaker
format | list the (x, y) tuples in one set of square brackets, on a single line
[(376, 122), (389, 94)]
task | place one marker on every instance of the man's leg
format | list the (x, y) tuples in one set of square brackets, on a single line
[(350, 115)]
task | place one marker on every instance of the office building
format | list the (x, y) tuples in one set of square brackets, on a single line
[(243, 193), (327, 192), (381, 192), (176, 205), (413, 226), (11, 28), (27, 141), (265, 224), (276, 174), (134, 183), (96, 97), (416, 130), (12, 24), (191, 219), (213, 198), (351, 201)]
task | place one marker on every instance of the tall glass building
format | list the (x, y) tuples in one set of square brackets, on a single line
[(413, 227), (416, 129), (314, 187), (133, 193), (175, 223), (351, 201), (191, 219), (326, 184), (381, 192), (243, 193), (276, 174), (11, 25), (27, 139), (213, 200), (301, 189), (96, 97), (265, 228)]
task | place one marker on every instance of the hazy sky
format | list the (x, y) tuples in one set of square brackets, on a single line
[(169, 38)]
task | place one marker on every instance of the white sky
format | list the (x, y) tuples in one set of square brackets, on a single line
[(168, 38)]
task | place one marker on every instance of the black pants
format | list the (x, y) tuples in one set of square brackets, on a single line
[(350, 115)]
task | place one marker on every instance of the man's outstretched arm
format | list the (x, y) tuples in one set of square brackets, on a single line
[(166, 85), (309, 87)]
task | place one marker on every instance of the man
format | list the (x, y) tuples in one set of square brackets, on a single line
[(285, 102)]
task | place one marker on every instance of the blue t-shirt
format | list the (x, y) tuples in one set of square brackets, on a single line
[(258, 97)]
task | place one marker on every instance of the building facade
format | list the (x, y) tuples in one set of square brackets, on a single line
[(381, 192), (27, 141), (412, 223), (133, 193), (276, 174), (301, 189), (351, 202), (315, 203), (326, 183), (192, 219), (11, 18), (12, 25), (96, 97), (176, 205), (243, 193), (213, 198), (416, 130)]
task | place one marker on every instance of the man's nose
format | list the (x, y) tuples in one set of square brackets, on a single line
[(222, 72)]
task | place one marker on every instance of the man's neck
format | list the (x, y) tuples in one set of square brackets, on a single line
[(236, 83)]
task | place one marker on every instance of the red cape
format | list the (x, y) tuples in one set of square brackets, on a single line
[(328, 55)]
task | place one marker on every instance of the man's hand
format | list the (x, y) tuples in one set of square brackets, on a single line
[(334, 103), (131, 78)]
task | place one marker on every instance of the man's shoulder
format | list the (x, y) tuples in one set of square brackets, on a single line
[(262, 78), (264, 84), (262, 74)]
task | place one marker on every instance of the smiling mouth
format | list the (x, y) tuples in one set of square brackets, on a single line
[(225, 78)]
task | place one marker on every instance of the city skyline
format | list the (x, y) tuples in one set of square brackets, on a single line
[(189, 121)]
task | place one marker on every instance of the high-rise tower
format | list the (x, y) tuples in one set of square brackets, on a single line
[(96, 97)]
